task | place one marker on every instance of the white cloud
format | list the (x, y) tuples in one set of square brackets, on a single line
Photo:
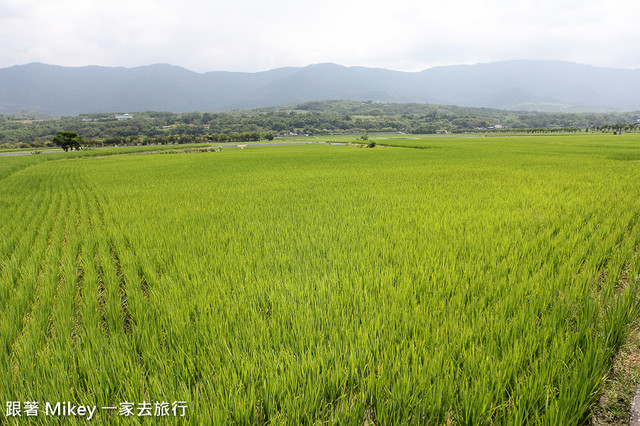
[(251, 35)]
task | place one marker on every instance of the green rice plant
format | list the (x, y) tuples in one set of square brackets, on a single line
[(481, 281)]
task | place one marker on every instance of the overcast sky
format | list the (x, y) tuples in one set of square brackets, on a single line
[(257, 35)]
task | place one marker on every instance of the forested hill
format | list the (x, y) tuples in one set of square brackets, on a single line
[(309, 118), (514, 85)]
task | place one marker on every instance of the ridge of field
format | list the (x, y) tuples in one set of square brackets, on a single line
[(482, 280)]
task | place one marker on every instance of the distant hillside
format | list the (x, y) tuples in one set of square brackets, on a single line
[(515, 85), (315, 118)]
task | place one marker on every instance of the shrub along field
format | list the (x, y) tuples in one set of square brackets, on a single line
[(479, 280)]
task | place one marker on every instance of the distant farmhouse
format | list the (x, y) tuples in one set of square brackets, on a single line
[(123, 117)]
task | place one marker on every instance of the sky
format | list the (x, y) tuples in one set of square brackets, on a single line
[(258, 35)]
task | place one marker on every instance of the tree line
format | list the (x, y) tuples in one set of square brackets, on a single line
[(310, 118)]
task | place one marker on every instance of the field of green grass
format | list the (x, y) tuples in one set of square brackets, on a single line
[(479, 280)]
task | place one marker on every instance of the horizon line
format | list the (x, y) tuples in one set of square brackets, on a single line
[(313, 65)]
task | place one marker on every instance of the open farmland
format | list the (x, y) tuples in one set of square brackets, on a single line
[(477, 280)]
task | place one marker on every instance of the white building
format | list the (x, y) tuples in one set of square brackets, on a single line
[(122, 117)]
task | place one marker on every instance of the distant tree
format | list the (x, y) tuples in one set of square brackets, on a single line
[(68, 140), (191, 118)]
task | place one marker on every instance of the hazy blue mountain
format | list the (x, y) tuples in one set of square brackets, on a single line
[(518, 85)]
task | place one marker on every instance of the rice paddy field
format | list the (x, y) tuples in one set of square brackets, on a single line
[(485, 280)]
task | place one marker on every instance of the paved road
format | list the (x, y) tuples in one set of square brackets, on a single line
[(224, 145), (281, 143)]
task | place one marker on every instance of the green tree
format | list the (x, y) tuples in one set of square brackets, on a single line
[(68, 140)]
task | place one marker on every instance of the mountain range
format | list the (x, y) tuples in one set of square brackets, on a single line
[(553, 86)]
